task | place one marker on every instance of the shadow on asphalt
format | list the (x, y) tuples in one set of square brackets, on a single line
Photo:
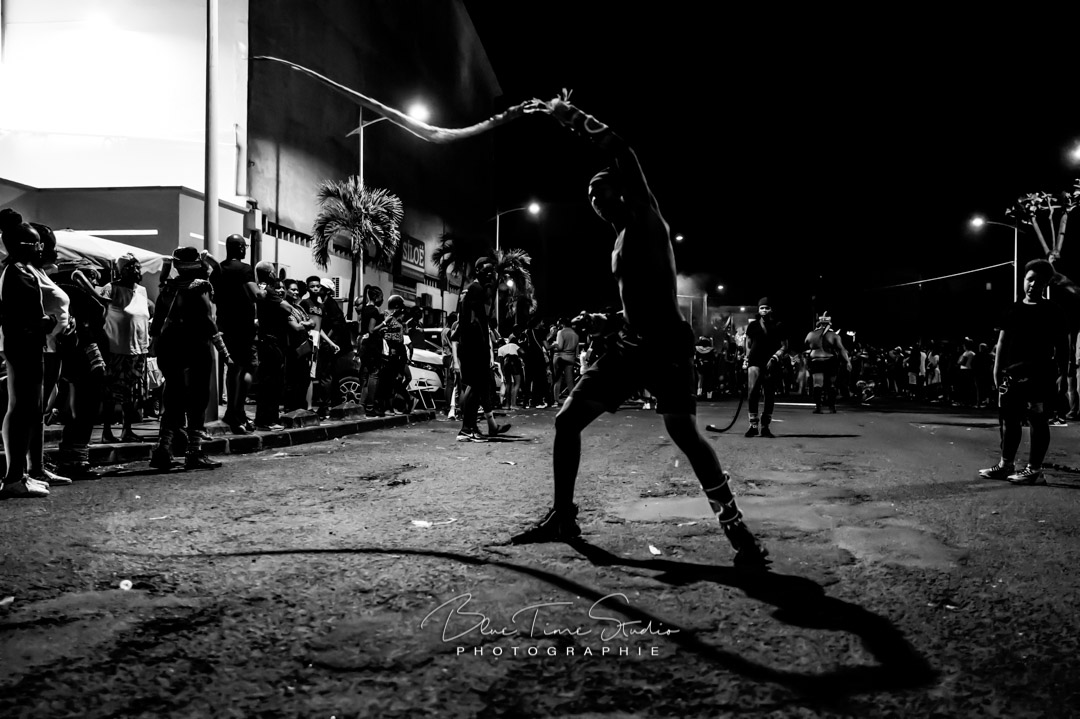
[(799, 602)]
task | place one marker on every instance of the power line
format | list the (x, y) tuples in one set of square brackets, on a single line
[(943, 277)]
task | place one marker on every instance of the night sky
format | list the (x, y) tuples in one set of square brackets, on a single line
[(802, 156)]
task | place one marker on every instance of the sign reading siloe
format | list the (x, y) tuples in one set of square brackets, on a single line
[(412, 254)]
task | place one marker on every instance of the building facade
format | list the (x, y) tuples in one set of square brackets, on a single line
[(103, 124)]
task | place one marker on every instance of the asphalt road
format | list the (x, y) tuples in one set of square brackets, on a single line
[(368, 577)]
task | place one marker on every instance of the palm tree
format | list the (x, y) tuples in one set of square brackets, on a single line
[(456, 254), (367, 216), (513, 268)]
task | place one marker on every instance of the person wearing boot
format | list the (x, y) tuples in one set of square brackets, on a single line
[(826, 350), (184, 348), (765, 346)]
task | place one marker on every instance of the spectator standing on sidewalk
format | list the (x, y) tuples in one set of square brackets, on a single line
[(655, 345), (24, 327), (1031, 359), (299, 352), (335, 336), (186, 337), (236, 292), (127, 327), (276, 326)]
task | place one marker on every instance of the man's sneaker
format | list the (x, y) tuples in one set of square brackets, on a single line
[(542, 405), (1028, 475), (766, 432), (749, 552), (199, 460), (51, 479), (270, 427), (470, 435), (1058, 422), (752, 432), (998, 472), (558, 525), (26, 488)]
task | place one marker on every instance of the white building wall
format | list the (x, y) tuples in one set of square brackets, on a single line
[(111, 93)]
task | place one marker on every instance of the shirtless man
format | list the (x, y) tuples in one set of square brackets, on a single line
[(825, 347), (655, 342)]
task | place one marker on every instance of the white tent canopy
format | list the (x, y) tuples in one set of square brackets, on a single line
[(71, 245)]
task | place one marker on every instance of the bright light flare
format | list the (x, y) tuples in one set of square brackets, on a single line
[(419, 111), (679, 237), (534, 208), (719, 288), (977, 222)]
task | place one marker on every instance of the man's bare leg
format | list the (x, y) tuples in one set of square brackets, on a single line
[(684, 432), (560, 522)]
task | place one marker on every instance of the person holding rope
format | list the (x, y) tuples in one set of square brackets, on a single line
[(826, 349), (654, 343), (765, 347), (1032, 357)]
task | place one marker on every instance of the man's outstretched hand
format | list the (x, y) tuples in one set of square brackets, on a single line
[(548, 107)]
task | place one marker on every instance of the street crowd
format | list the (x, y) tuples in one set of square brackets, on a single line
[(84, 346)]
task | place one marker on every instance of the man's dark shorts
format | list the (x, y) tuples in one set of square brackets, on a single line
[(477, 375), (664, 365), (824, 365), (1034, 396), (242, 345)]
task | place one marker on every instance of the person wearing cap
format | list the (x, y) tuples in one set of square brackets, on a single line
[(826, 350), (655, 343), (473, 355), (185, 338), (396, 359), (236, 291), (334, 338), (127, 327), (765, 348)]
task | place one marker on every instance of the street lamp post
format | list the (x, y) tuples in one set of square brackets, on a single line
[(533, 208), (978, 222), (420, 112)]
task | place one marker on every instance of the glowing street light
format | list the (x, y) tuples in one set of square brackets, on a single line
[(719, 288), (978, 222), (533, 208), (679, 237)]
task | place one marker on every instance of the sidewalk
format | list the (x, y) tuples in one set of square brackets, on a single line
[(300, 428)]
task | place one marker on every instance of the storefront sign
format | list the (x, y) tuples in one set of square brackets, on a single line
[(413, 258)]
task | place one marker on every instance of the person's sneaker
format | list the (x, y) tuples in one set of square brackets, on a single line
[(470, 435), (558, 525), (500, 429), (270, 427), (1027, 476), (238, 428), (766, 432), (51, 479), (752, 432), (26, 488), (998, 471), (542, 405), (1058, 422), (199, 460), (202, 434), (749, 552), (161, 459)]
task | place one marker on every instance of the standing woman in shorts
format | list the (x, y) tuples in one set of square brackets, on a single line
[(24, 326)]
